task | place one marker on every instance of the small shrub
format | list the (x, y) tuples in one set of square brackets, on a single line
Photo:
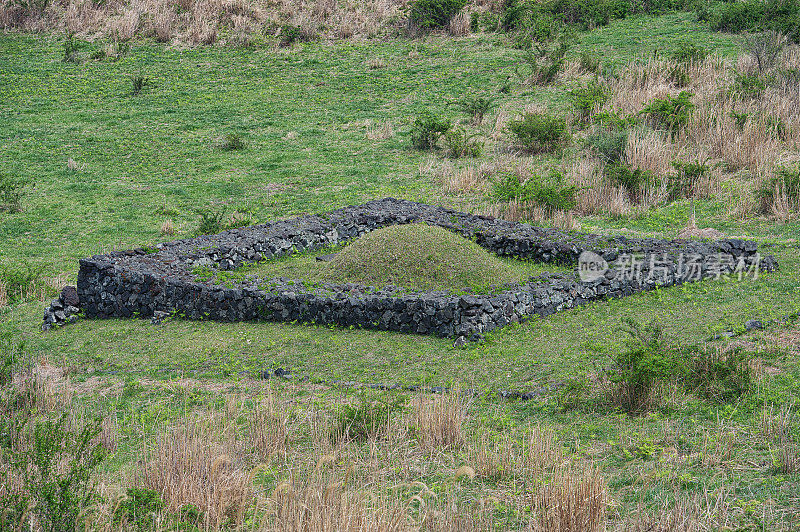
[(549, 192), (363, 421), (720, 377), (736, 17), (71, 47), (683, 183), (785, 184), (543, 62), (11, 192), (749, 86), (476, 107), (540, 133), (670, 113), (290, 34), (211, 221), (462, 144), (614, 121), (140, 509), (56, 466), (765, 48), (632, 180), (637, 371), (589, 62), (740, 119), (138, 83), (609, 144), (427, 130), (688, 52), (586, 99), (434, 14), (232, 142)]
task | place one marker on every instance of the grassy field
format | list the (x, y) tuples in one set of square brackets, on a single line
[(322, 129)]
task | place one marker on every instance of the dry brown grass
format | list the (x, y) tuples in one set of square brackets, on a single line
[(571, 502), (201, 21), (439, 422), (168, 228), (197, 463), (268, 425), (380, 131)]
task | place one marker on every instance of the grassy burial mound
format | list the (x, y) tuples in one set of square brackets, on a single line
[(420, 257)]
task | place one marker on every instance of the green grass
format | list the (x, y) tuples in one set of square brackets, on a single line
[(302, 115), (415, 257)]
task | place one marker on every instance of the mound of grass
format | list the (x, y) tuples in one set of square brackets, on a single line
[(419, 257)]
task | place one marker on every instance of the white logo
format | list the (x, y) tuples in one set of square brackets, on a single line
[(591, 266)]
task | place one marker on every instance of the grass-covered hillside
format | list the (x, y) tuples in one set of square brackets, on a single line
[(124, 125)]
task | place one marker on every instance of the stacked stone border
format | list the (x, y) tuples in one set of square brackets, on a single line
[(163, 280)]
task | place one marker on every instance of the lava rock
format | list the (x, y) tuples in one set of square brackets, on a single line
[(69, 296)]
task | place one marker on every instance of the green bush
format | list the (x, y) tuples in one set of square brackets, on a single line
[(589, 62), (637, 371), (56, 464), (461, 143), (212, 221), (586, 99), (433, 14), (670, 113), (609, 144), (232, 142), (543, 61), (549, 192), (138, 83), (427, 130), (785, 182), (749, 86), (290, 34), (754, 16), (632, 180), (689, 174), (688, 52), (139, 510), (71, 47), (540, 133), (476, 107), (363, 421), (765, 48)]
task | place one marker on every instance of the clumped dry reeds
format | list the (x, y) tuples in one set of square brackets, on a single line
[(203, 21), (438, 422), (571, 502)]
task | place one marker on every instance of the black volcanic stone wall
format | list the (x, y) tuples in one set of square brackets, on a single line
[(139, 282)]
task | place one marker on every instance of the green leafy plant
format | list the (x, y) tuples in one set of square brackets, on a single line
[(587, 99), (670, 113), (139, 509), (609, 144), (212, 221), (71, 47), (688, 52), (427, 130), (589, 62), (749, 86), (718, 376), (740, 119), (539, 132), (633, 180), (138, 82), (290, 34), (460, 143), (433, 14), (476, 107), (232, 142), (549, 192), (363, 421), (638, 370), (543, 61), (683, 183)]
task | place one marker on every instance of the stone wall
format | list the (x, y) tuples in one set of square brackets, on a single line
[(141, 282)]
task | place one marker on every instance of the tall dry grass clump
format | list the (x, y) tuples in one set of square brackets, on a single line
[(571, 502), (320, 506), (438, 423), (196, 463), (268, 428), (198, 22)]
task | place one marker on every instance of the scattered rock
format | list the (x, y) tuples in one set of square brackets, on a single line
[(753, 324), (460, 342), (326, 258), (158, 317), (69, 295), (63, 310)]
